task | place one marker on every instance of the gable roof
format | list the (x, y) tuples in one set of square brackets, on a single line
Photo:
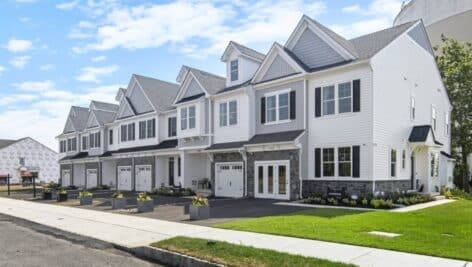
[(78, 116), (7, 142), (420, 134), (104, 117), (104, 106), (211, 83), (249, 52), (160, 93)]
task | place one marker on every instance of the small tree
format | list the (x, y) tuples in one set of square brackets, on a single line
[(454, 60)]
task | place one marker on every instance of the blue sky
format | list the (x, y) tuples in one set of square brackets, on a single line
[(54, 54)]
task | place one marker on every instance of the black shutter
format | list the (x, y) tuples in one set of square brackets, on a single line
[(355, 161), (318, 102), (293, 105), (263, 107), (169, 130), (317, 162), (356, 85)]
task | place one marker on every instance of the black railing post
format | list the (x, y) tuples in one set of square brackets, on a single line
[(34, 186), (8, 184)]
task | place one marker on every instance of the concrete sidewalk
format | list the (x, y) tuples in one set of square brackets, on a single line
[(132, 231)]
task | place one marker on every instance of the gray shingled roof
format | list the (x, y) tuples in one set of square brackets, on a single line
[(104, 117), (248, 51), (275, 137), (211, 82), (161, 93), (420, 133), (105, 106), (80, 120), (7, 142)]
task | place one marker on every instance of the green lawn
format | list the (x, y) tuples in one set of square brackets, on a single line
[(444, 231), (236, 255)]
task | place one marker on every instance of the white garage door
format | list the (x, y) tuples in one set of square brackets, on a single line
[(229, 179), (92, 178), (65, 178), (124, 178), (143, 178)]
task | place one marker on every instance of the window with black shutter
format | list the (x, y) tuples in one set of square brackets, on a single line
[(293, 105), (317, 162), (263, 110), (356, 161), (318, 102), (356, 91)]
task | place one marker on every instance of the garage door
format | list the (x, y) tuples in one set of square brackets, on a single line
[(92, 178), (65, 178), (229, 179), (143, 178), (124, 178)]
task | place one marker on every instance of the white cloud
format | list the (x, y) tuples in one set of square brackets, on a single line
[(2, 69), (198, 27), (16, 98), (98, 59), (18, 45), (68, 5), (351, 9), (47, 67), (83, 30), (20, 62), (35, 86), (92, 74)]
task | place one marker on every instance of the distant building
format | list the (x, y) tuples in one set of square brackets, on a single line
[(452, 18), (25, 159)]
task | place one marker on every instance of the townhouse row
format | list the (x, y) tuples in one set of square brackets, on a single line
[(319, 113)]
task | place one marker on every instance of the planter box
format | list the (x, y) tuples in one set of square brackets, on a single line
[(85, 201), (61, 197), (199, 212), (47, 195), (118, 203), (146, 206)]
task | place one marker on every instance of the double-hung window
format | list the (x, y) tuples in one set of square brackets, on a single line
[(62, 146), (403, 159), (110, 137), (127, 132), (124, 133), (234, 69), (277, 107), (228, 113), (344, 97), (328, 100), (434, 164), (328, 162), (84, 142), (94, 140), (187, 118), (183, 119), (191, 117), (151, 128), (172, 126), (433, 118), (393, 163), (131, 132), (344, 161), (142, 130)]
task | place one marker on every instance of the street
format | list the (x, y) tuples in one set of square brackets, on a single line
[(26, 244)]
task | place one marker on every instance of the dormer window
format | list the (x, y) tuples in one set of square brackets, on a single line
[(234, 68), (187, 118)]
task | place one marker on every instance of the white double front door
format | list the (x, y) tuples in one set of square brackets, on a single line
[(272, 179), (92, 178), (124, 178), (229, 179), (65, 178), (143, 178)]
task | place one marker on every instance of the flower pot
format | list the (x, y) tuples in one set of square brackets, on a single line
[(199, 212), (145, 206), (47, 195), (61, 197), (85, 201), (118, 203)]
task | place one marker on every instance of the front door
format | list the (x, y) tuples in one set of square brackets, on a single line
[(171, 171), (272, 179), (124, 178), (65, 178), (143, 178), (92, 178)]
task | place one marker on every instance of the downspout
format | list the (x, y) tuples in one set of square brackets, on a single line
[(372, 125)]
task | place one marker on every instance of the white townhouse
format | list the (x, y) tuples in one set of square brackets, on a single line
[(318, 113)]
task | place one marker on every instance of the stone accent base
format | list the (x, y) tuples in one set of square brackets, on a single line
[(311, 187)]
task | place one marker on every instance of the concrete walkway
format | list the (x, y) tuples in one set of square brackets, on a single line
[(132, 231), (423, 205)]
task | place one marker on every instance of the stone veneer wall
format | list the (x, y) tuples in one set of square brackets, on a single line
[(292, 155), (225, 157), (311, 187)]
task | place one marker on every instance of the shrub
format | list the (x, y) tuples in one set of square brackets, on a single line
[(365, 202), (459, 193), (52, 185), (317, 200), (84, 194), (375, 203), (47, 190), (117, 194), (62, 191), (353, 203), (144, 197), (345, 201), (388, 204), (323, 201), (199, 201)]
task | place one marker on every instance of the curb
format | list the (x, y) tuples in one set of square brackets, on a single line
[(169, 258)]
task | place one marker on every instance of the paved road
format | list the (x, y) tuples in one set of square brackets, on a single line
[(26, 244)]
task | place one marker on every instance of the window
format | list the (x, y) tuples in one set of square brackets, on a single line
[(191, 117), (22, 161), (74, 144), (131, 132), (344, 161), (328, 100), (62, 146), (228, 113), (127, 132), (142, 129), (94, 140), (223, 114), (393, 163), (183, 118), (69, 144), (234, 70), (124, 133), (151, 128), (344, 97), (84, 142), (433, 118), (277, 107), (172, 126), (328, 162), (110, 137), (434, 164), (446, 123), (403, 159), (412, 108)]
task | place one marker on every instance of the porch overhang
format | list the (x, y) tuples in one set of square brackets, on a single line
[(423, 135)]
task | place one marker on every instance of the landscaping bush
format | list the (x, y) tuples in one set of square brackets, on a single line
[(144, 197), (84, 194), (117, 194), (168, 191), (353, 202), (375, 203), (455, 193), (200, 201), (345, 201), (365, 202)]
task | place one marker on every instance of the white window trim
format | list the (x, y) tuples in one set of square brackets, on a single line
[(231, 72), (226, 103), (390, 162), (334, 162), (338, 162), (337, 98), (169, 128), (276, 94)]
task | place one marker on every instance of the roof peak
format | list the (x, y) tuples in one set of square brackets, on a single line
[(148, 77)]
